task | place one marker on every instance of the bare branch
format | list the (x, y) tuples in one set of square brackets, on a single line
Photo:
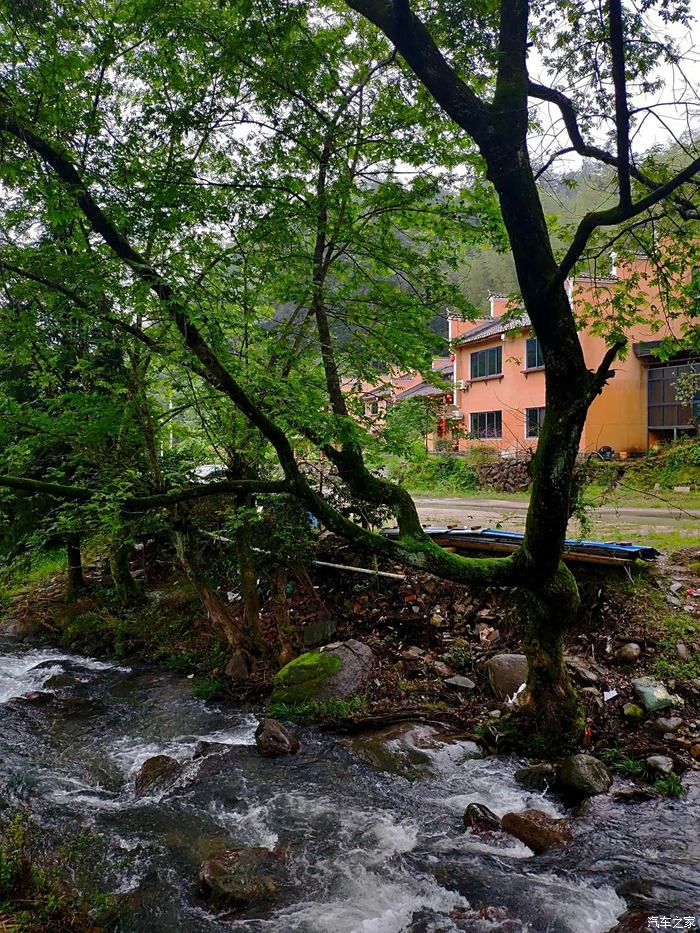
[(618, 215)]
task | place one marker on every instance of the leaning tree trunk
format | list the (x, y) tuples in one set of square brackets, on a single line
[(75, 581), (245, 639)]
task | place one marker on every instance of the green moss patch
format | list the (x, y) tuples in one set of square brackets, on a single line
[(300, 680)]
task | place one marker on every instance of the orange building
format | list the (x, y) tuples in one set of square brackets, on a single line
[(499, 380)]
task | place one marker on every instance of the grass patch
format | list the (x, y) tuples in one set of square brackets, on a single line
[(45, 890), (616, 760), (26, 572), (317, 710)]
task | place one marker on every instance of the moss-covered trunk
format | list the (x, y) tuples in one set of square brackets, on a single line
[(547, 611)]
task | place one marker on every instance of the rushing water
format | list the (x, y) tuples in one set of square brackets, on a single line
[(368, 851)]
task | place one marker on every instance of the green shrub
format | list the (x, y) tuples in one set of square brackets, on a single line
[(447, 473)]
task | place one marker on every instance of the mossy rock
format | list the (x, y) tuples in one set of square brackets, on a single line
[(335, 672)]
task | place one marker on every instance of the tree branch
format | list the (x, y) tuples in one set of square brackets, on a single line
[(414, 42), (618, 215), (622, 117)]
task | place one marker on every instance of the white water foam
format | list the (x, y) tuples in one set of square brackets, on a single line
[(19, 674), (577, 906), (130, 752)]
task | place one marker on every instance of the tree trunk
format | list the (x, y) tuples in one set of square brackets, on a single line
[(243, 637), (128, 590), (547, 611), (247, 574), (280, 610), (76, 581)]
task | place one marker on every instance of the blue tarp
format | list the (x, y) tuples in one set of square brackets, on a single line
[(624, 551)]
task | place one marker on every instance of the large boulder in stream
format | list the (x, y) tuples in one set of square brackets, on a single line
[(274, 741), (334, 672), (242, 878), (156, 774), (582, 776), (538, 831)]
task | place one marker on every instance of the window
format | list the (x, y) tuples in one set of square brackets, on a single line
[(486, 424), (486, 363), (374, 408), (534, 418), (533, 354)]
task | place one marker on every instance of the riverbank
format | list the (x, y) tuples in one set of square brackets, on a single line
[(433, 646)]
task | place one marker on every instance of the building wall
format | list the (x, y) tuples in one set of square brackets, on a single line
[(617, 418)]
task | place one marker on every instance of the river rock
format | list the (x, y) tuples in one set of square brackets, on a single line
[(241, 878), (538, 831), (653, 694), (459, 682), (683, 651), (662, 764), (583, 776), (630, 653), (274, 741), (537, 777), (668, 724), (478, 817), (507, 673), (156, 773), (334, 672)]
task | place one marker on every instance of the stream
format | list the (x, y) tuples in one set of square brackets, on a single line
[(369, 851)]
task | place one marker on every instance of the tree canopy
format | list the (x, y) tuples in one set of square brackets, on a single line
[(215, 213)]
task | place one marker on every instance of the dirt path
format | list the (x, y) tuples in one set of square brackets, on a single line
[(511, 514)]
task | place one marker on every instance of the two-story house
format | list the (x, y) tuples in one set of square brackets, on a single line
[(499, 379)]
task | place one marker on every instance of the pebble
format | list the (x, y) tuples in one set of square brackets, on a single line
[(683, 651), (630, 652)]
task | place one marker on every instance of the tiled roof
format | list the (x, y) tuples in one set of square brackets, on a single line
[(493, 328), (423, 389)]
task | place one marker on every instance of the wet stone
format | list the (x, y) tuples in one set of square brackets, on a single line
[(584, 776), (204, 748), (156, 773), (479, 818), (241, 878), (274, 740), (538, 831), (662, 764), (537, 777)]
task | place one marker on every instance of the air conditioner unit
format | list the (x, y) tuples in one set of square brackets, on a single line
[(463, 384)]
